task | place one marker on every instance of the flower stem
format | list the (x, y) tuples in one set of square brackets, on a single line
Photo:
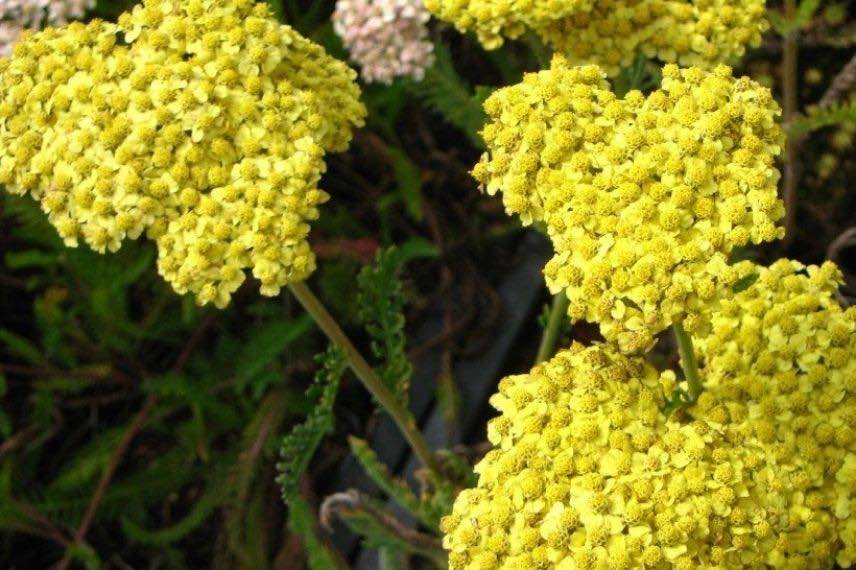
[(688, 362), (366, 374), (553, 327)]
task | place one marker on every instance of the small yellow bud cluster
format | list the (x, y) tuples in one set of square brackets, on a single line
[(588, 473), (202, 123), (783, 354), (643, 197), (610, 33)]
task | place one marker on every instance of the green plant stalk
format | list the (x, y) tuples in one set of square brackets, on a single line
[(366, 374), (554, 325), (689, 364)]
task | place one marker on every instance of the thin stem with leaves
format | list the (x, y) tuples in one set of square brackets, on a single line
[(366, 374)]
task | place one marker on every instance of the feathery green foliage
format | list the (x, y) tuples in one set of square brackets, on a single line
[(392, 486), (820, 117), (447, 93), (381, 302), (379, 528), (297, 448)]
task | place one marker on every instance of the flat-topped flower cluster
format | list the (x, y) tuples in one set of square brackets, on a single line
[(643, 197), (387, 38), (202, 124), (588, 472), (610, 33)]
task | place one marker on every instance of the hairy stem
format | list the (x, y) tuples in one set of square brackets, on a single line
[(688, 361), (554, 326), (365, 373)]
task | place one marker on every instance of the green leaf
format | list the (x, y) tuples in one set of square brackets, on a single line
[(30, 258), (213, 497), (22, 347), (379, 528), (297, 448), (819, 118), (745, 282), (381, 302), (641, 74), (416, 248), (395, 488), (267, 343), (84, 554), (801, 19), (443, 90), (409, 182), (302, 521)]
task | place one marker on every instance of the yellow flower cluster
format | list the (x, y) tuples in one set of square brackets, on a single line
[(588, 473), (784, 353), (202, 123), (643, 197), (610, 33)]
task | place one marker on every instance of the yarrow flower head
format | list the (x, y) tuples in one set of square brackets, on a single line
[(202, 124), (643, 197), (610, 33), (387, 38), (784, 352), (588, 472), (19, 15)]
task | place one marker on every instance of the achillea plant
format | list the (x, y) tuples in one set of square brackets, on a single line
[(589, 472), (387, 38), (643, 197), (202, 124), (610, 33)]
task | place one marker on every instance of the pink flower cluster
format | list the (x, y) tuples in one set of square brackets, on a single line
[(19, 15), (387, 38)]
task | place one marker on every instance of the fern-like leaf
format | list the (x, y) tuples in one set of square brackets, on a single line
[(820, 117), (381, 302), (395, 488), (378, 527), (298, 447), (443, 90)]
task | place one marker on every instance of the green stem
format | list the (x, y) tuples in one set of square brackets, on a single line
[(366, 374), (553, 328), (688, 361)]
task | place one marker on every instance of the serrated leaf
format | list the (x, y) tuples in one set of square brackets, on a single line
[(818, 118), (395, 488), (297, 448), (378, 527), (381, 302)]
